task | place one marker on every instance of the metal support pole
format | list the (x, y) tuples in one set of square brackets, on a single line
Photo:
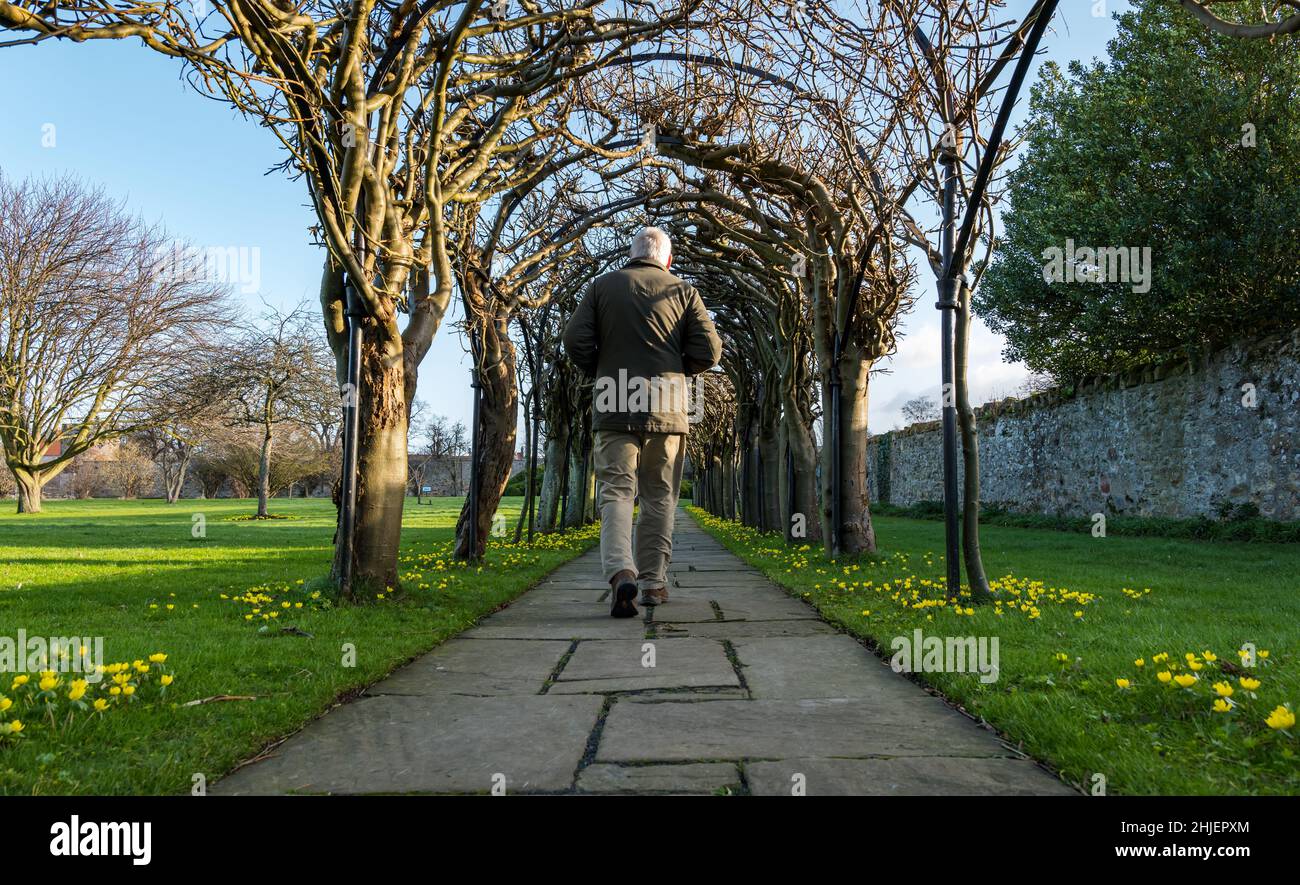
[(948, 306), (791, 486), (351, 437), (834, 442), (473, 550), (532, 460)]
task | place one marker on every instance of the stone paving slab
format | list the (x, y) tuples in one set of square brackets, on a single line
[(682, 610), (448, 744), (619, 666), (743, 629), (701, 778), (820, 667), (776, 729), (917, 776), (475, 667)]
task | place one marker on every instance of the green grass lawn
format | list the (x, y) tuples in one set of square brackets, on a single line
[(1151, 737), (230, 613)]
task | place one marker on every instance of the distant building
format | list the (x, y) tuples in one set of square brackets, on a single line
[(449, 477)]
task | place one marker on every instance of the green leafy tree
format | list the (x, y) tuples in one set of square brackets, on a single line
[(1186, 142)]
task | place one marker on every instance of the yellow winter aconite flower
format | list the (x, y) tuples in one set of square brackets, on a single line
[(1139, 663), (1186, 680), (1222, 706), (1209, 656), (1223, 689), (158, 658), (1280, 718), (1122, 683), (167, 679), (1062, 657), (1164, 675), (5, 704), (1247, 683), (48, 683), (100, 705), (128, 690), (19, 682), (78, 690), (17, 726)]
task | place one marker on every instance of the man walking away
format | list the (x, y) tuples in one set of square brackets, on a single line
[(640, 331)]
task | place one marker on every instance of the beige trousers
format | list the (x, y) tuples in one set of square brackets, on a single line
[(645, 467)]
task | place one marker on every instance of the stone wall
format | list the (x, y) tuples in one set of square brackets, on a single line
[(1182, 439)]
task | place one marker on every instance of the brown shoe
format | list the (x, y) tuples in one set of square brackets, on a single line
[(654, 596), (622, 595)]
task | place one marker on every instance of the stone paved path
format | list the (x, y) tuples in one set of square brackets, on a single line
[(749, 692)]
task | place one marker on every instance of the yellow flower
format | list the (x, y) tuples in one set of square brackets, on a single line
[(1221, 705), (128, 690), (77, 691), (158, 658), (1223, 689), (1139, 663), (48, 683), (167, 679), (115, 690), (1164, 675), (1247, 683), (17, 726), (1062, 657), (19, 682), (1122, 683), (1195, 665), (1263, 653), (100, 705), (1209, 656), (5, 704), (1186, 680), (1280, 718)]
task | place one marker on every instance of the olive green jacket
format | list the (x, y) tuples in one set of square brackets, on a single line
[(640, 331)]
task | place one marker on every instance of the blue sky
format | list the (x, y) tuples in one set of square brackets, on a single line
[(123, 118)]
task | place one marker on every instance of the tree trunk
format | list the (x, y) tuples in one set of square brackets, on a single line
[(30, 483), (769, 456), (970, 535), (552, 477), (799, 518), (856, 532), (381, 469), (264, 475), (576, 505), (174, 480), (499, 417)]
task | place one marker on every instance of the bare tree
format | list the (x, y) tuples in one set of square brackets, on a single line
[(92, 322), (130, 471), (921, 408), (268, 370)]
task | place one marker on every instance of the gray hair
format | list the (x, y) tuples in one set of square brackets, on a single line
[(652, 243)]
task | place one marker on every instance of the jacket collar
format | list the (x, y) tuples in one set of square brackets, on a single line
[(644, 262)]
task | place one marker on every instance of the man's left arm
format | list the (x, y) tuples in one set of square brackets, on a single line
[(702, 348)]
